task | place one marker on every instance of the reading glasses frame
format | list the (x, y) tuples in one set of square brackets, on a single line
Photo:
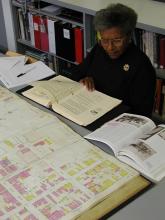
[(117, 42)]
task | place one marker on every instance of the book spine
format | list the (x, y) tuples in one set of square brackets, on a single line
[(158, 96), (31, 28), (155, 50), (151, 47), (21, 24), (44, 34), (51, 36), (162, 53), (163, 102), (78, 44), (26, 26), (36, 25)]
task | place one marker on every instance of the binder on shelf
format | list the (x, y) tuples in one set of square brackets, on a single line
[(44, 34), (156, 50), (157, 105), (51, 35), (65, 41), (36, 25), (78, 44), (162, 53), (21, 24), (31, 28), (163, 101), (26, 26)]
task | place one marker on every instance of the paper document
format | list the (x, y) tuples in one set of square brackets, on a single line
[(6, 63), (21, 75)]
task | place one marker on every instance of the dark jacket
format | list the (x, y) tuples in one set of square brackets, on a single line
[(131, 77)]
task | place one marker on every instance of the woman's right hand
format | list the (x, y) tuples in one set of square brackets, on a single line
[(88, 83)]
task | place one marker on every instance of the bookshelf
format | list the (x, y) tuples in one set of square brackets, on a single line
[(71, 42), (148, 20)]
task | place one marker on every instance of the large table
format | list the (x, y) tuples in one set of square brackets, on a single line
[(148, 204), (124, 196), (137, 200)]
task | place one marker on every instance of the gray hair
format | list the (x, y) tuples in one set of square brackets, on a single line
[(116, 15)]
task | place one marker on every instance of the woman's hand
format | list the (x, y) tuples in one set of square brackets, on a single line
[(88, 83)]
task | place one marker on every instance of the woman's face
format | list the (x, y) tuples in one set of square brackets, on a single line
[(114, 42)]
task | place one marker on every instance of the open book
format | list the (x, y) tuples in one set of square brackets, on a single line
[(71, 99), (137, 141)]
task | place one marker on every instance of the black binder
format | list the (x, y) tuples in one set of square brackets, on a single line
[(65, 41)]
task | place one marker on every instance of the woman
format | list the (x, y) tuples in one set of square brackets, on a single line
[(115, 66)]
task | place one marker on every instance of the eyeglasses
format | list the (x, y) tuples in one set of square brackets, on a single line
[(116, 42)]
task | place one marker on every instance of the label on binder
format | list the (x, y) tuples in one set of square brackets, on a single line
[(66, 33)]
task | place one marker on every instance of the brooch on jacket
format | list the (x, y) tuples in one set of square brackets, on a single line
[(126, 67)]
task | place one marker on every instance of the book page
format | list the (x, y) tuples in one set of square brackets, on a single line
[(55, 89), (50, 91), (84, 107), (147, 154), (40, 95), (121, 131), (7, 63)]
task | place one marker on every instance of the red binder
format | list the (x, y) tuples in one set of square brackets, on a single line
[(36, 25), (162, 53), (44, 34), (78, 44)]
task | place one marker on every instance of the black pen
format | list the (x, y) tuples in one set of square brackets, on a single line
[(22, 74)]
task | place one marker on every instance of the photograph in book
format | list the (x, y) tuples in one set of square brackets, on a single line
[(71, 99), (137, 141)]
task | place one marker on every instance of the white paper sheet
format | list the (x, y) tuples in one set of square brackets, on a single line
[(22, 75)]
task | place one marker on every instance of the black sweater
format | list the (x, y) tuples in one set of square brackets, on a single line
[(131, 77)]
